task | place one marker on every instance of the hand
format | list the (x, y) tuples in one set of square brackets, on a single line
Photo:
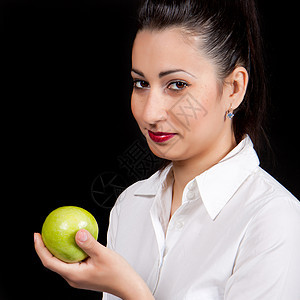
[(104, 270)]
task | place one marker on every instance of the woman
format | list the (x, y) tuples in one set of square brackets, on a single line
[(211, 224)]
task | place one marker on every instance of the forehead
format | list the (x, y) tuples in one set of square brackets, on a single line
[(154, 51)]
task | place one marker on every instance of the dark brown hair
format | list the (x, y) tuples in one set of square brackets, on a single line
[(230, 35)]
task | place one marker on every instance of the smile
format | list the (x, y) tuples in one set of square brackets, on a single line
[(160, 137)]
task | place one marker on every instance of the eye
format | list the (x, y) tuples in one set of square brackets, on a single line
[(178, 85), (140, 84)]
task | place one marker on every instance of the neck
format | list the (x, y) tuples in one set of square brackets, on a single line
[(184, 171)]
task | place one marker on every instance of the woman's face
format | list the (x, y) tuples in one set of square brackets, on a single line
[(177, 99)]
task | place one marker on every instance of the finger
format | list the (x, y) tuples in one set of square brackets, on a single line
[(48, 260), (87, 243)]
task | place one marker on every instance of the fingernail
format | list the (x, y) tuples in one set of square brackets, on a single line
[(34, 237), (82, 236)]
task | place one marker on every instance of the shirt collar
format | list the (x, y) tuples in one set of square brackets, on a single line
[(219, 183), (216, 185), (151, 185)]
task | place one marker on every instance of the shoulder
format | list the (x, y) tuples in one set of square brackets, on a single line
[(267, 261), (272, 192), (278, 211)]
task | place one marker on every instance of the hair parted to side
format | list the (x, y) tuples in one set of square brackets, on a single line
[(230, 35)]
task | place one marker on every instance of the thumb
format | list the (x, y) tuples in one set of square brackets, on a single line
[(87, 243)]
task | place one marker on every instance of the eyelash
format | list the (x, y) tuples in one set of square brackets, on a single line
[(137, 81)]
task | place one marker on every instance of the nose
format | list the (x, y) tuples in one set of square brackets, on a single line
[(155, 109)]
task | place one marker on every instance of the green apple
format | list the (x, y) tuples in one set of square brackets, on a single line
[(59, 230)]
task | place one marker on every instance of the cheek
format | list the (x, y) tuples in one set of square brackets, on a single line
[(196, 110), (189, 109), (210, 115)]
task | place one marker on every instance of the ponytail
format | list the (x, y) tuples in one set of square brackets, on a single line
[(250, 115)]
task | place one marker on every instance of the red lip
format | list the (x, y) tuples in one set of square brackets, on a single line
[(160, 137)]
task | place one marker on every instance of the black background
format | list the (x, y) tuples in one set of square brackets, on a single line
[(66, 120)]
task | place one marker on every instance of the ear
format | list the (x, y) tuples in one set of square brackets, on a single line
[(235, 87)]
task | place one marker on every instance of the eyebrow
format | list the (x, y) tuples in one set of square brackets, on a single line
[(165, 73), (138, 72)]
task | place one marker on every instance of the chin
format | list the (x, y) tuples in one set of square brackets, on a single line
[(168, 151)]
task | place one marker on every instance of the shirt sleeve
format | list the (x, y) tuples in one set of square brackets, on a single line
[(112, 228), (267, 265), (111, 235), (113, 222)]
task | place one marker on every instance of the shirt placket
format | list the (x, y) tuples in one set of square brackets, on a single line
[(179, 219), (174, 230), (160, 238)]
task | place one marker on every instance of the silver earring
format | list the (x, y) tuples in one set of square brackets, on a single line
[(230, 113)]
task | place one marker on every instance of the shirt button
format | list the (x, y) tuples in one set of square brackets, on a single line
[(190, 195), (179, 225)]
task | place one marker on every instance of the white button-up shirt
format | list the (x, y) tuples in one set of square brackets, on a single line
[(235, 236)]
